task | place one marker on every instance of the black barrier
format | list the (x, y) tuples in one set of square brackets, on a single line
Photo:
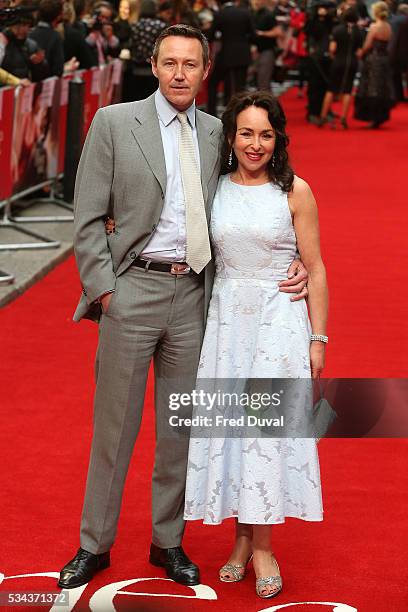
[(75, 127)]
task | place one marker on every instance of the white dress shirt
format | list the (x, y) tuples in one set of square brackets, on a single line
[(168, 242)]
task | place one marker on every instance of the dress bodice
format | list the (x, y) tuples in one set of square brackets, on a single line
[(380, 47), (251, 230)]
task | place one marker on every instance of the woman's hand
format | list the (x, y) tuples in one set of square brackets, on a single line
[(125, 54), (37, 57), (317, 357), (110, 225), (71, 65)]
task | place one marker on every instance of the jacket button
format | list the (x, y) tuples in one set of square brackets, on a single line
[(154, 227), (84, 291), (132, 255)]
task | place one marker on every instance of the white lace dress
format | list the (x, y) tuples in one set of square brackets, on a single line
[(253, 331)]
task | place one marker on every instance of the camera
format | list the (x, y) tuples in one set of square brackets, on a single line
[(99, 21), (16, 14)]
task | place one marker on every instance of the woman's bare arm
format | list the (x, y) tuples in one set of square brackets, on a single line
[(306, 223)]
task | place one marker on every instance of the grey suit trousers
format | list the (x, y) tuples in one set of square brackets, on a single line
[(152, 315)]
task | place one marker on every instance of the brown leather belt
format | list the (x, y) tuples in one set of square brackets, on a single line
[(177, 268)]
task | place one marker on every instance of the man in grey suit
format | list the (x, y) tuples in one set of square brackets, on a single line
[(153, 165)]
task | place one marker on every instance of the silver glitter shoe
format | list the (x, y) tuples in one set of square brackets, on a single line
[(273, 581), (236, 570)]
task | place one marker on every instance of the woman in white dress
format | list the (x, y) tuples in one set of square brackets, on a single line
[(262, 217)]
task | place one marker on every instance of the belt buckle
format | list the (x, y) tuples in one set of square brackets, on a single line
[(179, 268)]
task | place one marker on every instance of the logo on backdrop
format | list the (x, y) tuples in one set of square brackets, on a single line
[(102, 599)]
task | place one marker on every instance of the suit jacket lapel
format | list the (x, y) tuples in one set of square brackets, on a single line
[(208, 147), (146, 132)]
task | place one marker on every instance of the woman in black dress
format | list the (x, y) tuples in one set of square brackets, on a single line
[(374, 96), (346, 40), (122, 26), (144, 34)]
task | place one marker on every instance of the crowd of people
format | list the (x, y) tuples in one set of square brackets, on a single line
[(253, 43)]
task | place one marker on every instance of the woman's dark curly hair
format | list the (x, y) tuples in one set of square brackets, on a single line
[(279, 170)]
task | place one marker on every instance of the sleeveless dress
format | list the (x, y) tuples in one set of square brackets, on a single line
[(374, 97), (345, 63), (253, 331)]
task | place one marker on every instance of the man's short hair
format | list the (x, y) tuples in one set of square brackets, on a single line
[(402, 9), (165, 6), (49, 10), (103, 4), (186, 31)]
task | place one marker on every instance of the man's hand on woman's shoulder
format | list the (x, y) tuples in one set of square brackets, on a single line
[(296, 282)]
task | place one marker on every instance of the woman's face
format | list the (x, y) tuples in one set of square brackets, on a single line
[(254, 140), (124, 10)]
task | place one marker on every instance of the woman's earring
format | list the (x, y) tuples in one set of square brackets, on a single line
[(230, 159)]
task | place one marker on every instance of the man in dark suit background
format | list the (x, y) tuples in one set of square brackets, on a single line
[(268, 31), (233, 27), (50, 15)]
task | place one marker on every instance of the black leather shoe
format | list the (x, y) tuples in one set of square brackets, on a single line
[(82, 568), (176, 563)]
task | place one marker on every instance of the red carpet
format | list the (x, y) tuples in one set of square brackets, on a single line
[(357, 555), (357, 177)]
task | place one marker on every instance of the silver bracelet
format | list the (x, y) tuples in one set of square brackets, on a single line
[(319, 337)]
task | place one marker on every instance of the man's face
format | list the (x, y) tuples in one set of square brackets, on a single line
[(105, 14), (166, 15), (258, 4), (180, 70), (20, 30)]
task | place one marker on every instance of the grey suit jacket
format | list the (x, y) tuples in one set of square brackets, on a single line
[(122, 173)]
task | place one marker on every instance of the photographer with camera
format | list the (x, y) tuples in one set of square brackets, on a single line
[(104, 44), (21, 58)]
